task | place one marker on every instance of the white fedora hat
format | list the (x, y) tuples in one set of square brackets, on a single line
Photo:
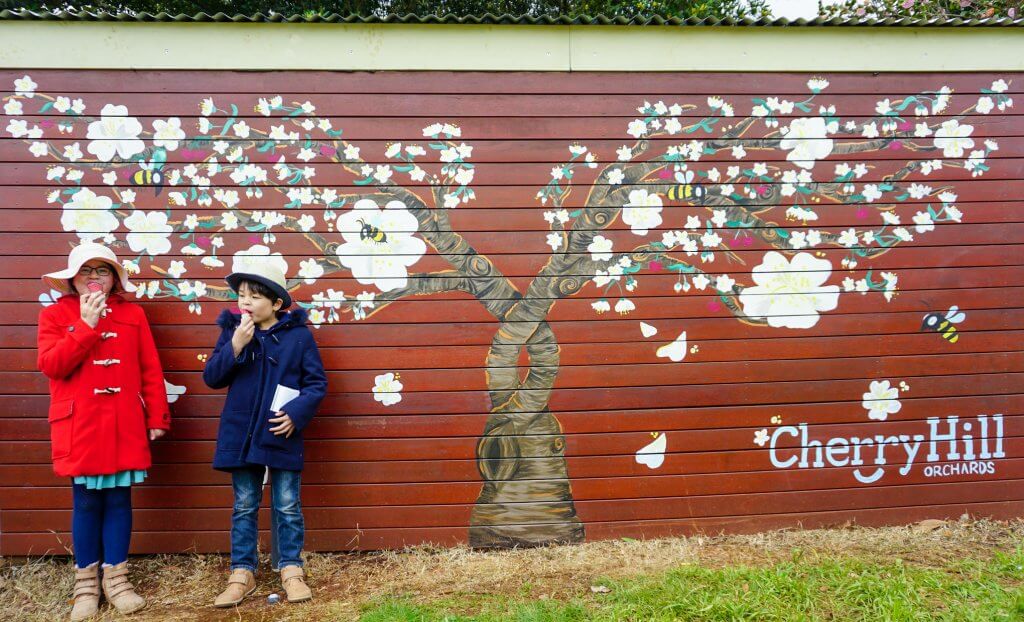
[(77, 258), (265, 272)]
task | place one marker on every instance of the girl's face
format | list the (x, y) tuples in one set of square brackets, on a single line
[(94, 271), (260, 308)]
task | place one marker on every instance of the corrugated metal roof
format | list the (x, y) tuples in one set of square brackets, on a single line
[(598, 20)]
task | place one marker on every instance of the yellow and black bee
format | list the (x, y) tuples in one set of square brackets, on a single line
[(149, 175), (369, 232), (686, 190), (943, 325)]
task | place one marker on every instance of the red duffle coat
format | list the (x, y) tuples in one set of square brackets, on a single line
[(106, 387)]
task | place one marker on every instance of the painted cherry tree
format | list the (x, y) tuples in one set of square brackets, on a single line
[(766, 175)]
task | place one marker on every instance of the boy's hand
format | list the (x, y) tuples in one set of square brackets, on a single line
[(286, 426), (243, 334), (155, 434), (91, 307)]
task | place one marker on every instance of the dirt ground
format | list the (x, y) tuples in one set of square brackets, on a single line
[(182, 587)]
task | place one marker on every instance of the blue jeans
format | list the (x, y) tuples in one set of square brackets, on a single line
[(101, 522), (287, 526)]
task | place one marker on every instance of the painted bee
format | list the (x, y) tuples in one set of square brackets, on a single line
[(369, 232), (944, 324), (686, 190), (149, 175)]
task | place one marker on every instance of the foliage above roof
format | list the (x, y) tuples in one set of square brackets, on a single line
[(507, 12)]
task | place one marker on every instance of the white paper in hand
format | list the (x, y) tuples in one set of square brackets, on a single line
[(282, 395)]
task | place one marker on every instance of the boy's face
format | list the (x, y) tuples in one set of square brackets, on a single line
[(259, 307)]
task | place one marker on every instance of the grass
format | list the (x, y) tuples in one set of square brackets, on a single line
[(967, 570)]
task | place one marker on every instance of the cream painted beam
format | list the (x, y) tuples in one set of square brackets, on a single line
[(602, 48), (117, 45)]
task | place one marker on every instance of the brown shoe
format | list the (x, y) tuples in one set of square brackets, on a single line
[(295, 585), (241, 583), (87, 593), (119, 591)]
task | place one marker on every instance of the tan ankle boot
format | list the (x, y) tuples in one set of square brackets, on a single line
[(119, 590), (241, 583), (87, 593), (295, 585)]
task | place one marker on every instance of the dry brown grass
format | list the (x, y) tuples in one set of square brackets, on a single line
[(181, 587)]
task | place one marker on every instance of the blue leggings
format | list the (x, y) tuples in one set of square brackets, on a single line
[(101, 522)]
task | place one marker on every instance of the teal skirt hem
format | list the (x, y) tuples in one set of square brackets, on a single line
[(114, 480)]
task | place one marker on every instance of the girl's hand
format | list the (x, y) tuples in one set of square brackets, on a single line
[(91, 307), (155, 434), (243, 334), (286, 426)]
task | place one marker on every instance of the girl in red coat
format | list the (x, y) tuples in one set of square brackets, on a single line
[(107, 403)]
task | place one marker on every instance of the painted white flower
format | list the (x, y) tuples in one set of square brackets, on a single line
[(615, 176), (798, 239), (25, 86), (624, 306), (701, 281), (115, 134), (600, 248), (881, 400), (941, 100), (637, 128), (387, 389), (711, 240), (985, 105), (953, 138), (307, 222), (13, 107), (848, 238), (149, 232), (17, 128), (193, 249), (871, 192), (817, 84), (642, 212), (724, 283), (923, 222), (72, 152), (919, 191), (310, 270), (922, 130), (176, 269), (88, 215), (167, 133), (790, 294), (761, 437), (601, 306), (382, 173), (255, 256), (624, 153), (807, 141), (554, 240), (381, 258)]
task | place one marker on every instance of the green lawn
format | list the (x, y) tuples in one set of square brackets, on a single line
[(794, 590)]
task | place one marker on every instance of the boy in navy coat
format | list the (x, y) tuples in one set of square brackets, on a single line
[(270, 363)]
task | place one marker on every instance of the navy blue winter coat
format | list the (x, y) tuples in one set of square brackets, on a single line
[(285, 354)]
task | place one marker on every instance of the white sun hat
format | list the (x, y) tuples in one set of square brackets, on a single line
[(77, 258)]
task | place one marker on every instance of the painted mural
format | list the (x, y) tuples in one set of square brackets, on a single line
[(767, 208)]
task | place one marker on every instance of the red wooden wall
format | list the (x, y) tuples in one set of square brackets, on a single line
[(527, 414)]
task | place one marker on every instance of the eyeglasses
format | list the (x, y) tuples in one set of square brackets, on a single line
[(100, 271)]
